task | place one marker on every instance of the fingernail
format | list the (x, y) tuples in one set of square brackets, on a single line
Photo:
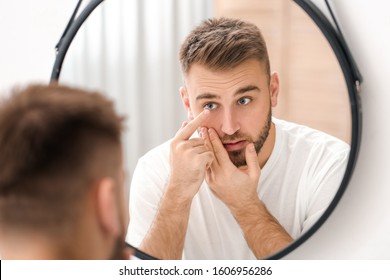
[(252, 147)]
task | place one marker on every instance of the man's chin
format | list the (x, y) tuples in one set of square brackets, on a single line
[(118, 250), (237, 158)]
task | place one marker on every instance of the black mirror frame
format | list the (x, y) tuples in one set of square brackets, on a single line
[(350, 71)]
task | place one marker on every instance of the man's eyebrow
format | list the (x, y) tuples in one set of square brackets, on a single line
[(208, 95), (246, 89)]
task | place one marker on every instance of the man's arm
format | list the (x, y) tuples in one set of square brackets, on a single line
[(237, 188), (263, 233), (189, 159), (166, 236)]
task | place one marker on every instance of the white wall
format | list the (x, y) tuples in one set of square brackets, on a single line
[(359, 228), (29, 30)]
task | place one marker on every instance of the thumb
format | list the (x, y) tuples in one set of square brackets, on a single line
[(252, 161)]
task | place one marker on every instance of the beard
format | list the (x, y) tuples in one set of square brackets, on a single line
[(120, 246), (238, 157), (118, 250)]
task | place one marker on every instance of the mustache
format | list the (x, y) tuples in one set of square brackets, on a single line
[(234, 137)]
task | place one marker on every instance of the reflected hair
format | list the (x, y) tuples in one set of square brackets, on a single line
[(223, 43), (54, 142)]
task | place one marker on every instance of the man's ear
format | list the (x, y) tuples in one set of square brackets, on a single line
[(107, 208), (274, 89), (186, 102)]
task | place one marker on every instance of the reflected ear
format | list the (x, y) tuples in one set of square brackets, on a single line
[(274, 89), (107, 208), (186, 102)]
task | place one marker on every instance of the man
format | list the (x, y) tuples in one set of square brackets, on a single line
[(61, 176), (246, 184)]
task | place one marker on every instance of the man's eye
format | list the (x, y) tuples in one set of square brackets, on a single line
[(210, 106), (244, 101)]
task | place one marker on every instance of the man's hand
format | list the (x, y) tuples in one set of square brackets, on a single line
[(236, 187), (189, 159)]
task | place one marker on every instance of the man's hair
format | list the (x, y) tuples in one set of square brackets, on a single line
[(223, 43), (55, 141)]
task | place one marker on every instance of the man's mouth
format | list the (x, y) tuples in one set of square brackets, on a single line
[(236, 145)]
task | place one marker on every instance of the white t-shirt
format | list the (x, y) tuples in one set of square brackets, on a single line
[(297, 184)]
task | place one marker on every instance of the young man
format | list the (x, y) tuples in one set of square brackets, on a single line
[(246, 184), (61, 176)]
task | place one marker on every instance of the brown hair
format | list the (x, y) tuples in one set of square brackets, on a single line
[(54, 142), (223, 43)]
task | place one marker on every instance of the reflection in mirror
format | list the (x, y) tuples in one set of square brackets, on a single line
[(129, 51)]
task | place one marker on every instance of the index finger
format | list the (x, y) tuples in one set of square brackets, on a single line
[(186, 132)]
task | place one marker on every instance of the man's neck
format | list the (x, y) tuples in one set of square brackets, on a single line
[(35, 247)]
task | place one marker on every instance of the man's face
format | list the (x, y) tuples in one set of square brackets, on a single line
[(239, 100)]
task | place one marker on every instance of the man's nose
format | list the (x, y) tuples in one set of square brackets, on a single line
[(230, 124)]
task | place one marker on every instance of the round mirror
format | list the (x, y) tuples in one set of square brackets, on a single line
[(129, 49)]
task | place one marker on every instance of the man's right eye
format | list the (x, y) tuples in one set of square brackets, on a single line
[(210, 106)]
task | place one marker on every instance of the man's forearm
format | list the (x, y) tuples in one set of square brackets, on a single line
[(166, 236), (263, 233)]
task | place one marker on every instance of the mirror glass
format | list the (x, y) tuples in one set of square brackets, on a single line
[(128, 49)]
